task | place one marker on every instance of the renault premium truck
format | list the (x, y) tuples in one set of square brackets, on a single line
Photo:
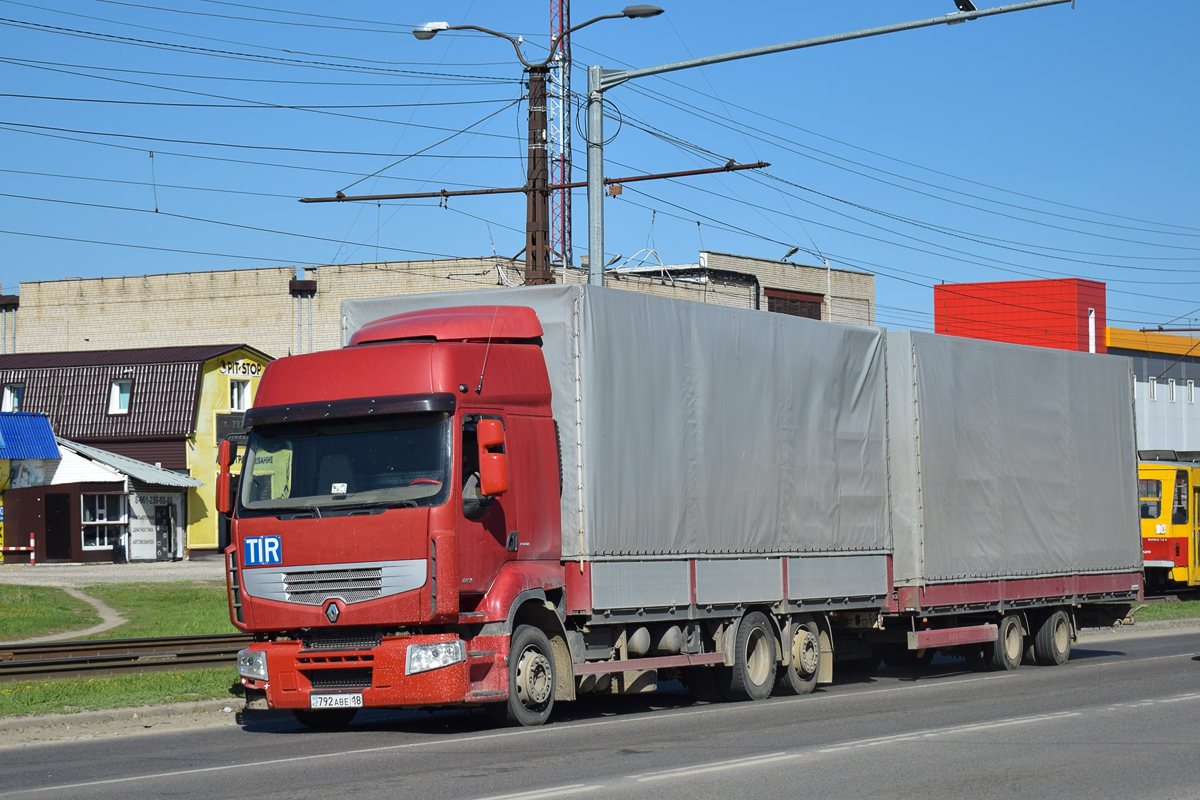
[(506, 499)]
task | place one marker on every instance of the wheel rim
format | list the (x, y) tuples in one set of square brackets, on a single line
[(758, 657), (1012, 641), (535, 678), (1062, 635), (806, 653)]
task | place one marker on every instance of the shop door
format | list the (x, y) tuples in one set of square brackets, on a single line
[(58, 527), (164, 533)]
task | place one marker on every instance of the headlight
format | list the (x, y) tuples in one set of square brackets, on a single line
[(424, 657), (252, 664)]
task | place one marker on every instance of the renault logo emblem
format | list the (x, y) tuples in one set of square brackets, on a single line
[(331, 612)]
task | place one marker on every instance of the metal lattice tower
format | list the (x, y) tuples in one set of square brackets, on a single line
[(560, 135)]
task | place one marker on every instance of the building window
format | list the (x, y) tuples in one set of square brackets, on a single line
[(1152, 389), (239, 395), (797, 304), (118, 397), (104, 520), (13, 393), (1191, 391), (1171, 390)]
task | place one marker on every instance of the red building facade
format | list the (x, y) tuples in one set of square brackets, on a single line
[(1065, 314)]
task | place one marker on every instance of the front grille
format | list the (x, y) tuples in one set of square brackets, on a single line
[(340, 678), (312, 588), (342, 639)]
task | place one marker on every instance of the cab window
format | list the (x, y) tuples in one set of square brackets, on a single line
[(1150, 492), (475, 505), (1179, 505)]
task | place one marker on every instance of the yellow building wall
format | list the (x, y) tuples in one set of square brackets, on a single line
[(215, 378)]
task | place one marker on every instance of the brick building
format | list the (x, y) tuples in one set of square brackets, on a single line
[(279, 312)]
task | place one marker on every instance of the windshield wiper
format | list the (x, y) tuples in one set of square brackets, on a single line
[(379, 504)]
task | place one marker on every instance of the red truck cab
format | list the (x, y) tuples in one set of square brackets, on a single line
[(393, 508)]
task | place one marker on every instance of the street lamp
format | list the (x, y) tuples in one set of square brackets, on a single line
[(600, 80), (537, 216)]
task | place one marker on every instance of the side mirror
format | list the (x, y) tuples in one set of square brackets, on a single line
[(493, 465), (225, 456)]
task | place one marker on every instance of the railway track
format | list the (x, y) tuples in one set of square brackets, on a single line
[(104, 657)]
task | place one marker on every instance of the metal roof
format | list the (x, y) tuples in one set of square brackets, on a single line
[(24, 435), (138, 470), (114, 358)]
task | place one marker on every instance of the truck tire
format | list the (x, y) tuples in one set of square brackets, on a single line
[(754, 659), (333, 719), (800, 676), (1006, 652), (531, 680), (1052, 644)]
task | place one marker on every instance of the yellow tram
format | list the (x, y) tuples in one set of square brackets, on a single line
[(1169, 502)]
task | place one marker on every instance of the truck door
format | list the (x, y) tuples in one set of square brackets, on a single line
[(484, 523)]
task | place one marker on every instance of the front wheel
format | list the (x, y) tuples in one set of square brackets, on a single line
[(531, 680)]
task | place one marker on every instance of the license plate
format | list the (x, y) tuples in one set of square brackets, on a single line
[(335, 700)]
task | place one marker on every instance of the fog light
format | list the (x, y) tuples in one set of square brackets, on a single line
[(424, 657), (252, 664)]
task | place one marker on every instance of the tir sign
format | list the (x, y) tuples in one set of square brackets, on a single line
[(263, 550)]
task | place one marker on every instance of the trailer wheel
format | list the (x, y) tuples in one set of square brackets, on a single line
[(333, 719), (800, 676), (753, 659), (531, 681), (1006, 652), (1052, 645)]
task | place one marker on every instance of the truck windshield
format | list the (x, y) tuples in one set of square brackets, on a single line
[(342, 464)]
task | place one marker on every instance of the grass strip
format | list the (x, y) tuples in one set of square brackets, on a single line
[(165, 609), (1183, 609), (30, 611), (117, 691)]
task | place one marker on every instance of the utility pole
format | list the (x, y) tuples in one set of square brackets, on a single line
[(537, 204)]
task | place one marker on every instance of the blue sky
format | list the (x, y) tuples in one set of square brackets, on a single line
[(1045, 143)]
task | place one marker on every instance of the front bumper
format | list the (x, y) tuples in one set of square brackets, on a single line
[(294, 674)]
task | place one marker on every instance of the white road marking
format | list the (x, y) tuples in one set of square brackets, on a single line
[(717, 766), (950, 731), (556, 791)]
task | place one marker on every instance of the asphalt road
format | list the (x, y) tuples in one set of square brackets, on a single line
[(1120, 720)]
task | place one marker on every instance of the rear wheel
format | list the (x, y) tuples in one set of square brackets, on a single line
[(800, 676), (531, 680), (1052, 644), (333, 719), (1006, 652), (753, 659)]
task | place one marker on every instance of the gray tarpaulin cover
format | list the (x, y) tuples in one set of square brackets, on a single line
[(705, 430), (1008, 461)]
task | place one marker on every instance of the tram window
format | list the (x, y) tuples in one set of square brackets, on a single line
[(1179, 505), (1150, 492)]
